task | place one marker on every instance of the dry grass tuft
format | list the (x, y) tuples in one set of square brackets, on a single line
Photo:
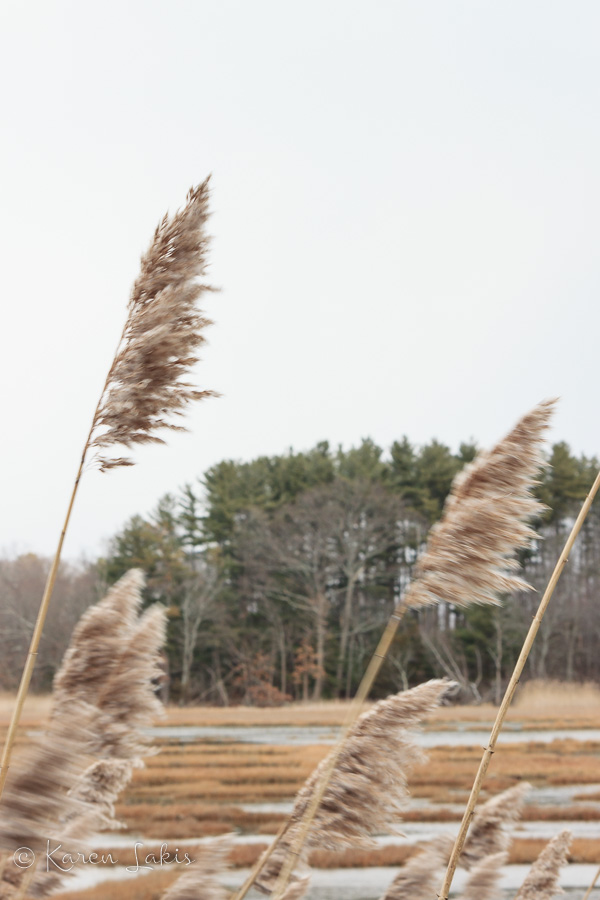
[(148, 887), (557, 699)]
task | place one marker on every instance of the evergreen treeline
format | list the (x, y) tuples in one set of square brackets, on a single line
[(280, 573)]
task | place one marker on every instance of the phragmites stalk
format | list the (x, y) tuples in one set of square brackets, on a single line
[(482, 883), (145, 387), (470, 552), (367, 791), (469, 559), (491, 830), (541, 882)]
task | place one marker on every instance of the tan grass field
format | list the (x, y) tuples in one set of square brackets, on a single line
[(548, 703), (197, 789), (541, 703)]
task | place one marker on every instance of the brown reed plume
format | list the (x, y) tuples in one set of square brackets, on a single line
[(484, 853), (146, 388), (541, 882), (111, 664), (59, 791), (493, 823), (419, 875), (482, 883), (97, 643), (37, 796), (128, 702), (98, 789), (367, 791), (297, 889), (468, 559), (469, 556)]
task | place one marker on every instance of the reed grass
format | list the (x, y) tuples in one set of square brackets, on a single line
[(368, 787), (61, 790), (482, 883), (542, 881), (469, 559), (511, 688), (418, 876), (146, 389)]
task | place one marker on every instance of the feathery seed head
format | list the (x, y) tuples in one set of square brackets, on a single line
[(146, 385), (469, 556), (541, 882)]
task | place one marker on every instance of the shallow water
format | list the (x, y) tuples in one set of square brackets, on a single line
[(548, 795), (371, 883), (291, 735), (357, 884), (408, 833)]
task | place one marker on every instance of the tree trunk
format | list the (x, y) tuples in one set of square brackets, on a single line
[(282, 653), (345, 632), (349, 669), (498, 660), (321, 626)]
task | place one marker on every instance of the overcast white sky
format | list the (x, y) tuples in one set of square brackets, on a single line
[(406, 204)]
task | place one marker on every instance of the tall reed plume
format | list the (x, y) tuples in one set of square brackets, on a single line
[(367, 791), (490, 838), (493, 823), (482, 883), (469, 559), (418, 876), (65, 786), (469, 556), (513, 682), (146, 388), (541, 882)]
